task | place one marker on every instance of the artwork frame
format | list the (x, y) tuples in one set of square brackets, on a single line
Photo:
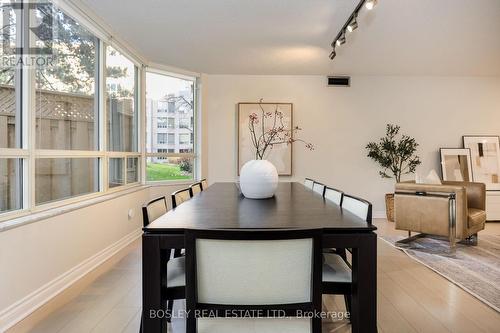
[(282, 156), (485, 157), (453, 165)]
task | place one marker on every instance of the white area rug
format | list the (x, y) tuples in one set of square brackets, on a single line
[(476, 269)]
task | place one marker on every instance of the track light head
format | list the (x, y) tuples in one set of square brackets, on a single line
[(333, 54), (353, 25), (341, 40), (370, 4)]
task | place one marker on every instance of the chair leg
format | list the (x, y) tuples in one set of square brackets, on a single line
[(471, 240), (348, 304), (342, 253), (177, 253), (170, 308)]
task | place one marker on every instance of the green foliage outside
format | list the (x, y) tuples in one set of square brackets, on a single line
[(74, 50), (164, 171)]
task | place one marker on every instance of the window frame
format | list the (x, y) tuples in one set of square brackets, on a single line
[(25, 89), (196, 112)]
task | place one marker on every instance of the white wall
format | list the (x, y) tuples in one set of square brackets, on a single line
[(33, 257), (437, 111)]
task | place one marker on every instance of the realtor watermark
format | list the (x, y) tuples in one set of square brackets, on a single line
[(28, 44), (277, 314)]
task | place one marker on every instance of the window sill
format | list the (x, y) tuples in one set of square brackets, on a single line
[(30, 217), (27, 217), (170, 182)]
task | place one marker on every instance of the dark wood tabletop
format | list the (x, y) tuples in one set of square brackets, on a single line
[(222, 206)]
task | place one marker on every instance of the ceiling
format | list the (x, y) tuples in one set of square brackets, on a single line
[(399, 37)]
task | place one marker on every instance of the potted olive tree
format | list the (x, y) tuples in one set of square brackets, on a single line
[(396, 155)]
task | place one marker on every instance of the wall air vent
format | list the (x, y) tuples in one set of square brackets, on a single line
[(339, 81)]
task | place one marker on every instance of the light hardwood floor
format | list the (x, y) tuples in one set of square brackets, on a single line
[(411, 298)]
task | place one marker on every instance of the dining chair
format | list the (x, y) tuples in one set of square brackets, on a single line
[(359, 207), (196, 188), (334, 195), (173, 284), (204, 184), (153, 209), (337, 272), (251, 272), (319, 188), (181, 196), (308, 182)]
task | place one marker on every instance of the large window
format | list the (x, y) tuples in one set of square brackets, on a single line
[(68, 110), (61, 178), (121, 110), (10, 108), (121, 118), (13, 150), (170, 149), (66, 100), (10, 189)]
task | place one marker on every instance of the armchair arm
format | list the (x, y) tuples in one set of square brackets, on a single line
[(476, 193)]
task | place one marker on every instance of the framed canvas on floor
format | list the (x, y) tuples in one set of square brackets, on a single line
[(485, 157), (456, 164)]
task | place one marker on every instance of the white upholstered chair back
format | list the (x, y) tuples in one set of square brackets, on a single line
[(254, 272), (196, 188), (180, 196), (308, 183), (334, 195), (154, 209), (319, 188), (357, 206)]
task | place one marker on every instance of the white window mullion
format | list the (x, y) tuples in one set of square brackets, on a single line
[(103, 137), (14, 153), (29, 112), (197, 172), (50, 153), (190, 155), (142, 125)]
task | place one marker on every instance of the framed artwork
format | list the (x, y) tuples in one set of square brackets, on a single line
[(456, 164), (279, 154), (485, 157)]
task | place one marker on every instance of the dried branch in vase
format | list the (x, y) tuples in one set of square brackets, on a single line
[(268, 130)]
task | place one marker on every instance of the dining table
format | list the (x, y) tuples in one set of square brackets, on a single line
[(294, 206)]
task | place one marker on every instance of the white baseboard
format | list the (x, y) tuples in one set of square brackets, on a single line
[(379, 214), (24, 307)]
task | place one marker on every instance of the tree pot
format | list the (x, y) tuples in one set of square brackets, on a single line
[(389, 206)]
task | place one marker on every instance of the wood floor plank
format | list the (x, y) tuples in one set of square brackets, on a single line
[(389, 318), (482, 315), (411, 298), (438, 307), (116, 321), (410, 310)]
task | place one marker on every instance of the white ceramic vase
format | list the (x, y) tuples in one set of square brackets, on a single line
[(258, 179)]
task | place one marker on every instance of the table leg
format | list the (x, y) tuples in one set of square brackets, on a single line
[(364, 278), (151, 284)]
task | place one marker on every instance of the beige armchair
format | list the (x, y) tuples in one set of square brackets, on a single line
[(456, 210)]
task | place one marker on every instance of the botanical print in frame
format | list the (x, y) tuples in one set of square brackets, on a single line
[(485, 157), (456, 164), (281, 154)]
